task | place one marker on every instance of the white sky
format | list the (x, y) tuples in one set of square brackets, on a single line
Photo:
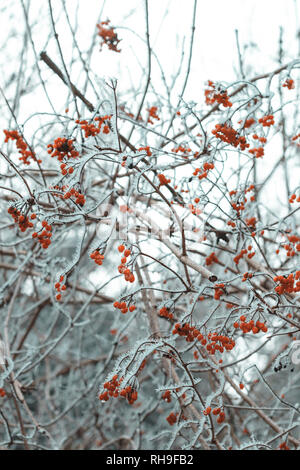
[(214, 55), (215, 52)]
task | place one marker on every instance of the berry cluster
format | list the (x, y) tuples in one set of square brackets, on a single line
[(289, 84), (65, 171), (294, 198), (212, 96), (97, 257), (124, 307), (194, 210), (243, 252), (238, 207), (239, 204), (221, 417), (231, 223), (257, 152), (112, 389), (283, 446), (123, 269), (190, 332), (130, 394), (60, 287), (2, 392), (262, 139), (207, 411), (163, 180), (251, 222), (296, 137), (91, 130), (214, 342), (20, 219), (184, 150), (248, 123), (250, 326), (164, 312), (44, 237), (229, 305), (167, 396), (21, 146), (290, 248), (219, 290), (267, 120), (60, 188), (172, 418), (153, 114), (80, 199), (212, 258), (250, 188), (204, 170), (219, 343), (230, 136), (287, 284), (147, 148), (104, 120), (247, 276), (61, 148), (109, 36)]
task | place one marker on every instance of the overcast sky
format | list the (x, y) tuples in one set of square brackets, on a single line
[(214, 55), (215, 51)]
